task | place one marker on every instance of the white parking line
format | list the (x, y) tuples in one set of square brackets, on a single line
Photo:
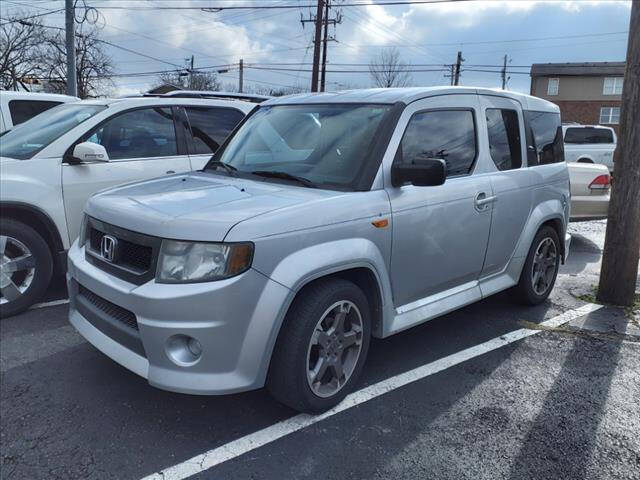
[(52, 303), (245, 444)]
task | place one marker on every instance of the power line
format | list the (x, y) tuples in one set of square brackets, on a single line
[(215, 9), (18, 20)]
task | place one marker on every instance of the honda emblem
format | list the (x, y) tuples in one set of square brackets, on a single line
[(108, 246)]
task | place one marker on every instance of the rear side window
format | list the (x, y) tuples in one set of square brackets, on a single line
[(446, 134), (544, 138), (23, 110), (588, 135), (504, 138), (210, 127)]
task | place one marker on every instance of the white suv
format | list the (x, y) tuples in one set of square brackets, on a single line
[(52, 163), (18, 107)]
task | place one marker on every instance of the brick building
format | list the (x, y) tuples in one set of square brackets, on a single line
[(587, 93)]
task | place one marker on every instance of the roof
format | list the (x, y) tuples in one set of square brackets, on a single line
[(406, 96), (584, 68), (13, 95)]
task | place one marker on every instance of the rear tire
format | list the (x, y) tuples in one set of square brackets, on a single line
[(541, 267), (25, 267), (318, 358)]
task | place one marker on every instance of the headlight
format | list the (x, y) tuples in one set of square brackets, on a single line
[(190, 262)]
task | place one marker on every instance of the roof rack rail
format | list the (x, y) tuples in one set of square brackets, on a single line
[(208, 94)]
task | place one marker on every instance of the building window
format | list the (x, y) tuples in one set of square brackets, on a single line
[(610, 115), (552, 87), (613, 86)]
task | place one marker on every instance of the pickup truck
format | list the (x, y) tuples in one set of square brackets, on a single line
[(589, 144)]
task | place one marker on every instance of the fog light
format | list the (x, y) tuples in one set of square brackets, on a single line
[(183, 350), (194, 347)]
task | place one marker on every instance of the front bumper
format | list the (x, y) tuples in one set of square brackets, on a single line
[(236, 322)]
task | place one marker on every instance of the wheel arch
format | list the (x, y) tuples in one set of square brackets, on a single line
[(39, 221), (549, 213), (364, 277)]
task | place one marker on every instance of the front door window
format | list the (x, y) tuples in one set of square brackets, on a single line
[(142, 133)]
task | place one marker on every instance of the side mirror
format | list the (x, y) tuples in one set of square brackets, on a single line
[(89, 152), (421, 172)]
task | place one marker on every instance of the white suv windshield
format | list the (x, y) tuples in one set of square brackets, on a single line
[(325, 144), (27, 139)]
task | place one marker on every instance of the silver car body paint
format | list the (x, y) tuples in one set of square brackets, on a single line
[(439, 252)]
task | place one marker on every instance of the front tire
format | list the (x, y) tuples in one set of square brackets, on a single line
[(541, 267), (25, 267), (322, 346)]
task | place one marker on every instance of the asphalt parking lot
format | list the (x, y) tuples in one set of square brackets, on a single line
[(560, 402)]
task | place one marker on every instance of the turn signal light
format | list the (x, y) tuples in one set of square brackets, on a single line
[(601, 182)]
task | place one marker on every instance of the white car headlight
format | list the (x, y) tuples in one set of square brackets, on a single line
[(190, 262)]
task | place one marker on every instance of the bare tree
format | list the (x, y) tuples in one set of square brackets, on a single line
[(388, 70), (200, 80), (93, 66), (20, 50), (619, 272)]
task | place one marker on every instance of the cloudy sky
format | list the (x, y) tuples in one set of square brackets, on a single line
[(277, 50)]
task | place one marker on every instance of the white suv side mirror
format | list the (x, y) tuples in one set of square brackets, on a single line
[(90, 152)]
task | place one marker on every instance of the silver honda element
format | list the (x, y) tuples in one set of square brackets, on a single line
[(322, 221)]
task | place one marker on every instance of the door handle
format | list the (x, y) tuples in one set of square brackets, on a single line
[(482, 201), (169, 172)]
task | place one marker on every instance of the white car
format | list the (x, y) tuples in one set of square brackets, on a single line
[(589, 144), (590, 189), (51, 164), (18, 107)]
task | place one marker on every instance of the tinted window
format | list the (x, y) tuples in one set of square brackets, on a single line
[(29, 138), (544, 138), (23, 110), (210, 127), (588, 135), (504, 138), (446, 134), (143, 133)]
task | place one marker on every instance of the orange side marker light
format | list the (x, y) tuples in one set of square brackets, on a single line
[(384, 223)]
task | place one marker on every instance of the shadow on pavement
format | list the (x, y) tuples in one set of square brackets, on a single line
[(582, 253), (562, 438)]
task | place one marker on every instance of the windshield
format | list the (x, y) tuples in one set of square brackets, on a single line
[(28, 138), (321, 145)]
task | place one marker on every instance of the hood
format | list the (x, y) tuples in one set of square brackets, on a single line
[(196, 206)]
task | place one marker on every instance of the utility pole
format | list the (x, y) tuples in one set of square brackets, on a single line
[(241, 76), (619, 271), (452, 74), (191, 74), (316, 47), (504, 73), (324, 44), (459, 61), (70, 31)]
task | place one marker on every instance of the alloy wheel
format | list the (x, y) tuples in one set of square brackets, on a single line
[(544, 266), (17, 269), (334, 349)]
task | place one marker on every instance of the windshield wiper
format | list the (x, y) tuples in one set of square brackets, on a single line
[(230, 169), (284, 175)]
